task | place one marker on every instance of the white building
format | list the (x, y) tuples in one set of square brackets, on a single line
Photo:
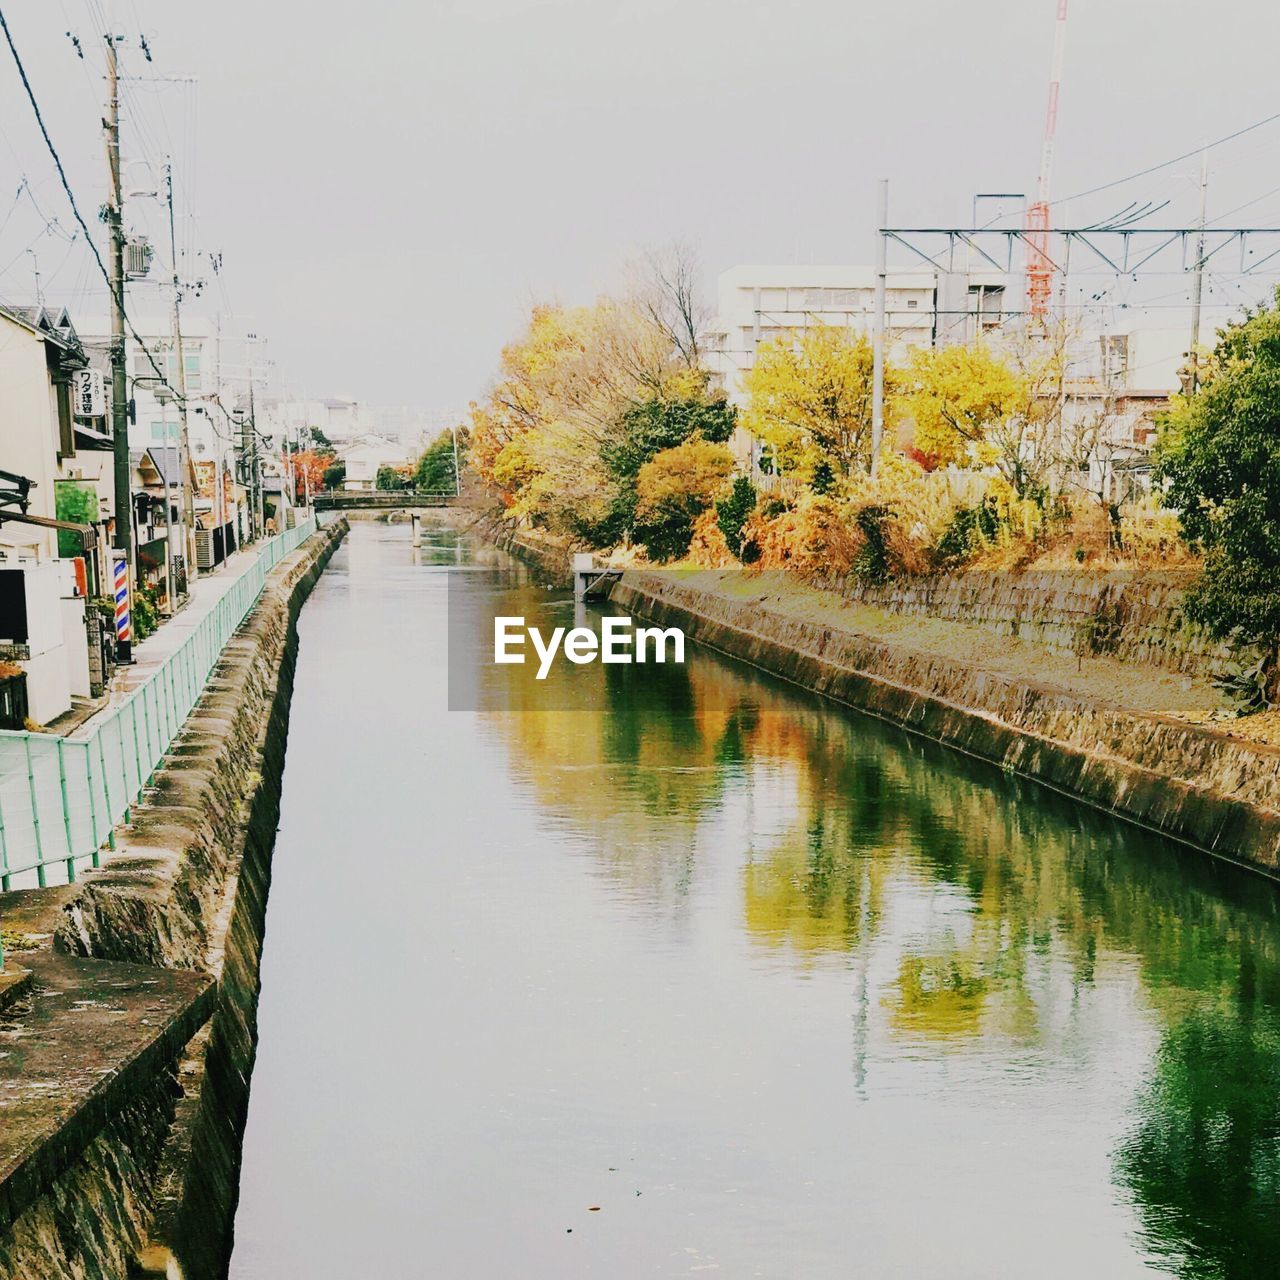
[(217, 365), (1121, 367), (339, 419), (365, 456), (54, 508), (756, 304)]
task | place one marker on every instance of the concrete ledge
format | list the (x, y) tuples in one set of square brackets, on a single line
[(15, 982), (96, 1035)]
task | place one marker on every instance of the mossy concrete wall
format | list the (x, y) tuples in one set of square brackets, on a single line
[(1134, 616), (1194, 783), (187, 889)]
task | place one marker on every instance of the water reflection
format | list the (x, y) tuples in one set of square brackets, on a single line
[(979, 923), (1202, 1160)]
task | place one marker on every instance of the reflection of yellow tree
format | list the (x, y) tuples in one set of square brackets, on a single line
[(993, 902), (632, 763), (942, 995), (807, 893), (1032, 889)]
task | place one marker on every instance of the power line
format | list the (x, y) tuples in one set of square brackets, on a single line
[(1166, 164), (66, 186), (1247, 205)]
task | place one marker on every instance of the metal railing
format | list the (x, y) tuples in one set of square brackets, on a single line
[(61, 798), (379, 499)]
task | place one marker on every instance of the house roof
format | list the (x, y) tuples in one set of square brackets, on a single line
[(54, 325), (162, 459), (377, 444)]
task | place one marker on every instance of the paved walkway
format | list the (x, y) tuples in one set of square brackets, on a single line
[(148, 654)]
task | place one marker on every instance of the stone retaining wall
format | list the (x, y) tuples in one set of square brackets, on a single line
[(186, 889), (1133, 616), (1195, 783)]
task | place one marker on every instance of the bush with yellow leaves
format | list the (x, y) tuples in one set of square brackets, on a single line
[(815, 537), (1151, 534), (707, 547)]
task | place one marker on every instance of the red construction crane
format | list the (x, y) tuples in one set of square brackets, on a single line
[(1039, 264)]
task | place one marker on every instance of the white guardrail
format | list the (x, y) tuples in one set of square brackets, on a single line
[(61, 798)]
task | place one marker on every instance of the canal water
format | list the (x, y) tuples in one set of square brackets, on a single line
[(685, 972)]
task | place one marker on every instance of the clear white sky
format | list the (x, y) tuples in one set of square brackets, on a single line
[(390, 184)]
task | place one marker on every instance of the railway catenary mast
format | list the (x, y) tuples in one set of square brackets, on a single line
[(1039, 265)]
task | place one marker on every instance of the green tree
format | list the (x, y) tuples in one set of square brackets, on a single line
[(646, 429), (1219, 454), (335, 475), (674, 488), (435, 473), (388, 479), (733, 510), (77, 502)]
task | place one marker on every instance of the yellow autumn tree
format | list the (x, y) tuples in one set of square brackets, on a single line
[(957, 395), (810, 398), (560, 392), (977, 405), (674, 488)]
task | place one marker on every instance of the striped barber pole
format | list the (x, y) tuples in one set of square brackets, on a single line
[(120, 575)]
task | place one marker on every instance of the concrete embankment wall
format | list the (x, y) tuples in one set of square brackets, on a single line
[(1194, 783), (186, 889), (551, 556), (1134, 616)]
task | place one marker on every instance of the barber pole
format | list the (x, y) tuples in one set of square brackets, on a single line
[(120, 592)]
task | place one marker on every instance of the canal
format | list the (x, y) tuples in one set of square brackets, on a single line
[(677, 971)]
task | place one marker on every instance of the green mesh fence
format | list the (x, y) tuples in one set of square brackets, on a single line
[(60, 798)]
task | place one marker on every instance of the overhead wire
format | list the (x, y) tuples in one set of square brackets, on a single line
[(1168, 164), (75, 207)]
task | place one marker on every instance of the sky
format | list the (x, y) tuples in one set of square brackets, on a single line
[(391, 185)]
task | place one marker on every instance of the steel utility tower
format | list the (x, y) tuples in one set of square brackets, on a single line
[(1039, 264)]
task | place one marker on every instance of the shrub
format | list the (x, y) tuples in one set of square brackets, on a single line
[(673, 490), (872, 563), (814, 538), (971, 529), (823, 480), (144, 613), (708, 547), (732, 512)]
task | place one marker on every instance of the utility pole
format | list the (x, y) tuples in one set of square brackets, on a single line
[(244, 469), (184, 438), (255, 473), (123, 539), (219, 454), (878, 334), (1197, 286)]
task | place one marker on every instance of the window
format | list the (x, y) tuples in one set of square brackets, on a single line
[(166, 360), (986, 302), (1115, 356)]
